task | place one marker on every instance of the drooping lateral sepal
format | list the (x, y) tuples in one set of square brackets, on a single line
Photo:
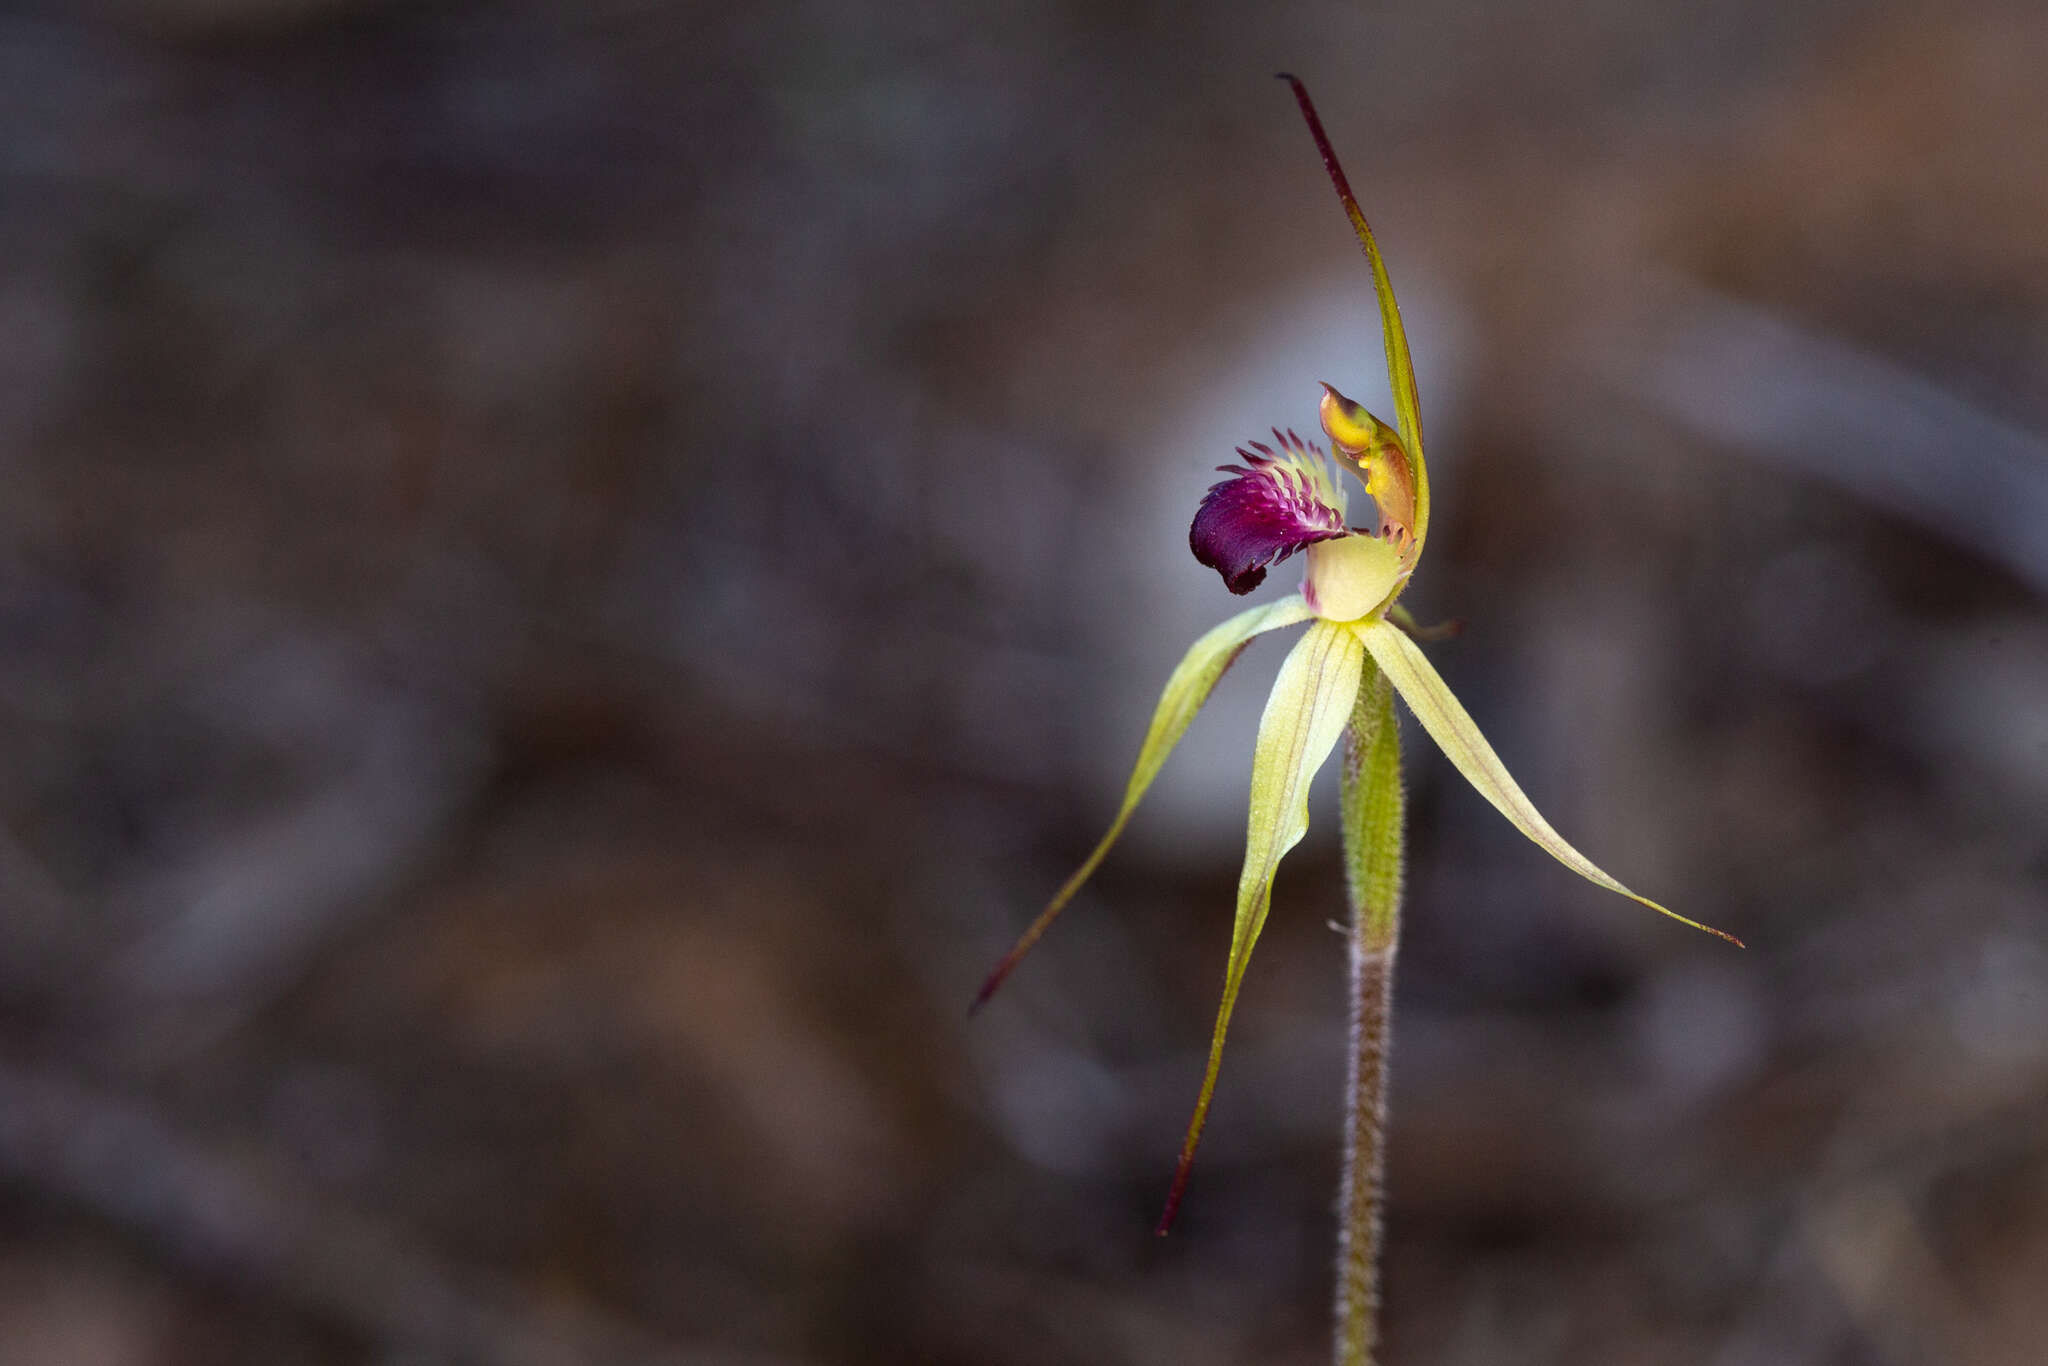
[(1186, 690), (1457, 735), (1276, 503), (1305, 714)]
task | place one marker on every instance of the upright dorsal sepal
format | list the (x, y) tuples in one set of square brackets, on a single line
[(1400, 365)]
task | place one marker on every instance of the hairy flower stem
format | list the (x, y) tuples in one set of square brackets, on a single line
[(1372, 816)]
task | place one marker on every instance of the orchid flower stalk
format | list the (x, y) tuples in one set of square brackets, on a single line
[(1339, 681)]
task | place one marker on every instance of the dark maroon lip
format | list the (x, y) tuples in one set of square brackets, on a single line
[(1263, 514)]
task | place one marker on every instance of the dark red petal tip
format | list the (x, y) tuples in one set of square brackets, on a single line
[(1174, 1196)]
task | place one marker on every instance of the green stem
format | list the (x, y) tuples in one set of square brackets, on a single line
[(1372, 816)]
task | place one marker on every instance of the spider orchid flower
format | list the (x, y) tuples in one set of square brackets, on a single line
[(1287, 498)]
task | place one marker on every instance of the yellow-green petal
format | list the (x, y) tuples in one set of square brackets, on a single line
[(1310, 703), (1186, 690), (1448, 723)]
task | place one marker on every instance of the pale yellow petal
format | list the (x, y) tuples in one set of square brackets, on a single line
[(1186, 690), (1310, 703), (1453, 729)]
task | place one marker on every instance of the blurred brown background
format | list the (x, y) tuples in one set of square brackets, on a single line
[(569, 575)]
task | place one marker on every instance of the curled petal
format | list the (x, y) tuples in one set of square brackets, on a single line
[(1274, 506)]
